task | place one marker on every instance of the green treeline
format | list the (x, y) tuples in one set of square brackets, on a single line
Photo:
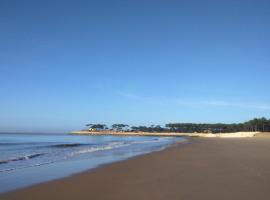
[(256, 124)]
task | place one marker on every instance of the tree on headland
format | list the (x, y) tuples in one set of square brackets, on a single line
[(97, 126), (263, 123), (119, 127), (152, 129), (258, 124)]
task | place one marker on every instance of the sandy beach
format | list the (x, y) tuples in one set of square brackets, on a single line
[(204, 169), (169, 134)]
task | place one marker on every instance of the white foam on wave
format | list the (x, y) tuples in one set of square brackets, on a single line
[(148, 141), (110, 146), (114, 145)]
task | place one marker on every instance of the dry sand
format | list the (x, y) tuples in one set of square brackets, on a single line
[(205, 169), (122, 133)]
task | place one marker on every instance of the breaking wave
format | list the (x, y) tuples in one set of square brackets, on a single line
[(110, 146), (20, 158)]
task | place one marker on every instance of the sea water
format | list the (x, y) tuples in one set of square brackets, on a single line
[(27, 159)]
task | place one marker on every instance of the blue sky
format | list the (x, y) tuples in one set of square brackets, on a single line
[(67, 63)]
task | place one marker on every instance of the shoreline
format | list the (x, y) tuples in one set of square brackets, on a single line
[(206, 168), (152, 149), (178, 144)]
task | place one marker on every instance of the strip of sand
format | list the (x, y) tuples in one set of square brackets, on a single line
[(173, 134), (205, 169)]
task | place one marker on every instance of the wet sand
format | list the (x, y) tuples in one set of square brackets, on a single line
[(205, 169)]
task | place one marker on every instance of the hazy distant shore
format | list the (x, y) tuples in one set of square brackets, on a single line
[(221, 135)]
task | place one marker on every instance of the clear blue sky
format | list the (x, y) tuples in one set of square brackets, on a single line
[(67, 63)]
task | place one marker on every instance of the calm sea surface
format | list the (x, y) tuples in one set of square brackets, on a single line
[(27, 159)]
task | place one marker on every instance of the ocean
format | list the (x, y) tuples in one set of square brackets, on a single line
[(27, 159)]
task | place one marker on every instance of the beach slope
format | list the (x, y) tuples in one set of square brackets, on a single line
[(205, 169)]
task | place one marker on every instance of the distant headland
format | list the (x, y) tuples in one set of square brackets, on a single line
[(246, 129)]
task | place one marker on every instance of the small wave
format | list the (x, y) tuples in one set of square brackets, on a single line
[(145, 141), (23, 167), (110, 146), (27, 157), (16, 143), (68, 145)]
